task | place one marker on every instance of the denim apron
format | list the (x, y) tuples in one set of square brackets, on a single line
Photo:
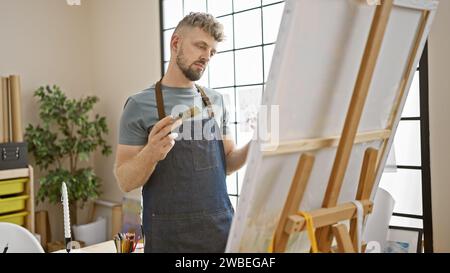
[(186, 207)]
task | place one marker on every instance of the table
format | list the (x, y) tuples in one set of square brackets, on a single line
[(105, 247)]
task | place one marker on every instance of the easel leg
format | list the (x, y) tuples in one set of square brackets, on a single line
[(365, 186), (354, 113), (296, 191), (344, 242)]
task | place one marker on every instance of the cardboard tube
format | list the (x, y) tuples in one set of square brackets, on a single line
[(16, 108), (2, 130), (5, 110)]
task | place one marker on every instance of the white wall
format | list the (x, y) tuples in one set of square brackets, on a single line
[(126, 50), (45, 42), (439, 73), (107, 48)]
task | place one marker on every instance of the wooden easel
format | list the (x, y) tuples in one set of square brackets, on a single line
[(325, 218)]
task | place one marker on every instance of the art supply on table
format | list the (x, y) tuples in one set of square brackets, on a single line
[(126, 242)]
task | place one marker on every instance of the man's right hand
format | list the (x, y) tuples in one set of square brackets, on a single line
[(160, 139)]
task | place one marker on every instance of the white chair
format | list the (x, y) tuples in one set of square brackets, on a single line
[(18, 239)]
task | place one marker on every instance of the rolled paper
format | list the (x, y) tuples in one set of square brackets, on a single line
[(5, 110), (16, 108), (3, 87)]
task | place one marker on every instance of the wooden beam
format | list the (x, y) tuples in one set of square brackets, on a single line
[(326, 216), (417, 4), (410, 67), (344, 243), (365, 75), (312, 144), (406, 76), (365, 186), (296, 191)]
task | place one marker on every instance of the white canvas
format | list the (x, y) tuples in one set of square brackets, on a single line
[(312, 77)]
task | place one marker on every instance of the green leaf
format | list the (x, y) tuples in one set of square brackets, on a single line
[(83, 156), (66, 129)]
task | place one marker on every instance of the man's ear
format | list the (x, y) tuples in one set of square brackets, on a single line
[(175, 42)]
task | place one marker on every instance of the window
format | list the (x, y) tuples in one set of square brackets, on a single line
[(410, 182), (240, 69)]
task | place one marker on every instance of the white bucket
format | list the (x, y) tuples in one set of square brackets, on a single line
[(92, 233)]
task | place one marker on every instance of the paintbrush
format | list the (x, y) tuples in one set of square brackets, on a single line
[(183, 116), (178, 119), (190, 113)]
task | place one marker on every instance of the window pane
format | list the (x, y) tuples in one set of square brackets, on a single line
[(266, 2), (220, 7), (234, 202), (166, 65), (241, 176), (247, 29), (222, 72), (194, 5), (228, 99), (233, 131), (391, 162), (407, 143), (204, 80), (246, 4), (244, 135), (167, 37), (173, 13), (227, 44), (406, 222), (248, 102), (272, 19), (231, 184), (405, 186), (249, 66), (268, 54), (412, 106)]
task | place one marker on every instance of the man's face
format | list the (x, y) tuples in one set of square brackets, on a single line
[(195, 49)]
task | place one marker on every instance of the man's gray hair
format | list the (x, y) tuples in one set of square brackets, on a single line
[(204, 21)]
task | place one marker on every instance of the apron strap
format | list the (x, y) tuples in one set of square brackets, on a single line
[(160, 100)]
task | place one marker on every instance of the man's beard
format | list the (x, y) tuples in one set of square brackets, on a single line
[(188, 71)]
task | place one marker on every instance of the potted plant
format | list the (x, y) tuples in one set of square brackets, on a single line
[(67, 135)]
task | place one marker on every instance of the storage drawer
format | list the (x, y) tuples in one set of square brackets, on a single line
[(15, 218), (11, 204), (12, 186), (13, 155)]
